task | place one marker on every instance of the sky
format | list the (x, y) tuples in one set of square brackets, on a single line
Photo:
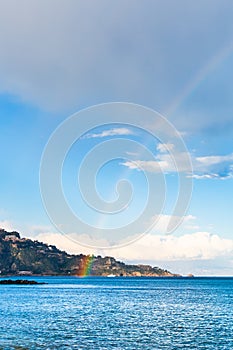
[(58, 59)]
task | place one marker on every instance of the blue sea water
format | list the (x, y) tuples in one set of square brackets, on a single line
[(118, 313)]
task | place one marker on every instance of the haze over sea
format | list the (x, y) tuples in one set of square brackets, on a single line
[(118, 313)]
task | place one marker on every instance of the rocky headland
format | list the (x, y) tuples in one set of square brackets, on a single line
[(22, 256)]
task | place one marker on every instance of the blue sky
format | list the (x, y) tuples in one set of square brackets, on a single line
[(176, 57)]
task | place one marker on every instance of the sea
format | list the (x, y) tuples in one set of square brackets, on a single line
[(117, 313)]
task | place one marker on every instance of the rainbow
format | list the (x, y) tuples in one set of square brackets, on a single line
[(86, 265), (200, 77)]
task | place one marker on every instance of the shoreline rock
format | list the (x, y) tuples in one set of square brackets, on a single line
[(20, 282)]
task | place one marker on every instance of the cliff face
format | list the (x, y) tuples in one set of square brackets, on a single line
[(24, 256)]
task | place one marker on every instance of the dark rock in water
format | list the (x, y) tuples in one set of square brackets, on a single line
[(20, 282)]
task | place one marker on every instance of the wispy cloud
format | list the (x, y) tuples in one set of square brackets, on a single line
[(168, 160), (212, 160), (213, 167), (110, 132), (229, 175)]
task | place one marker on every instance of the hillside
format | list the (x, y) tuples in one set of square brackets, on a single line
[(21, 256)]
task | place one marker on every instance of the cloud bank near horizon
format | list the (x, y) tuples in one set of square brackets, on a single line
[(198, 252)]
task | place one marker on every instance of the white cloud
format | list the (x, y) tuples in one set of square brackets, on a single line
[(168, 160), (194, 246), (110, 132), (7, 225), (38, 229), (212, 160), (199, 245), (62, 242), (151, 166), (213, 167), (212, 176), (165, 147), (162, 221), (165, 162)]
